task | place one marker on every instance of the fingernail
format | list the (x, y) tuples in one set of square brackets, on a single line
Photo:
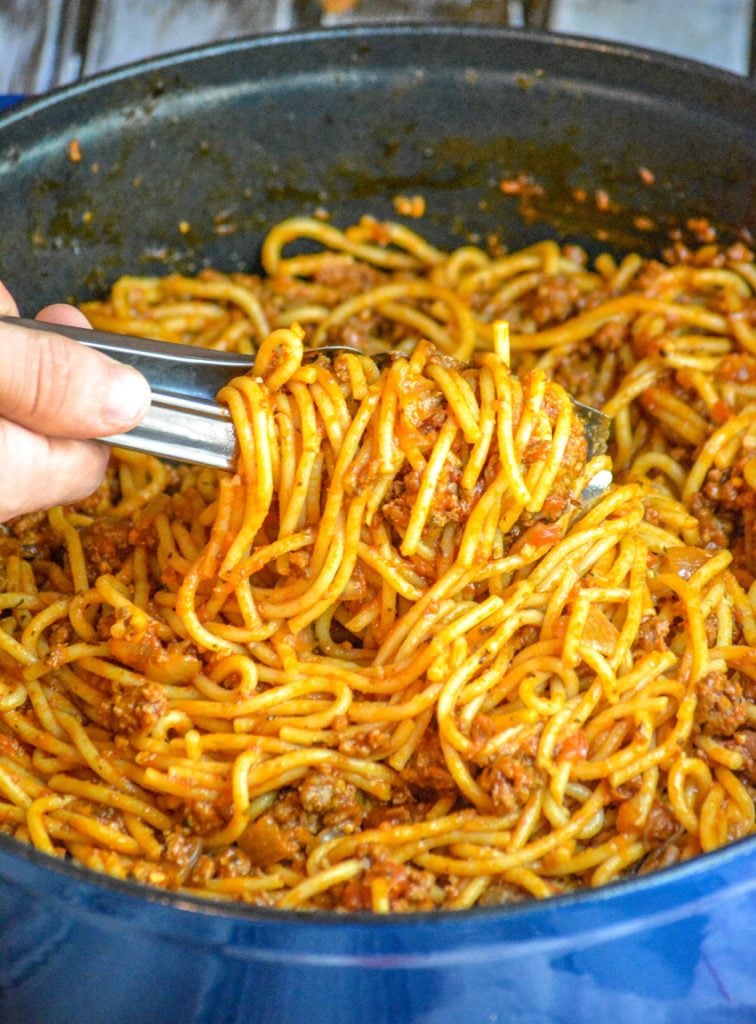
[(127, 399)]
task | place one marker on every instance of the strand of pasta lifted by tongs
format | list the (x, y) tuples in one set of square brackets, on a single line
[(187, 423)]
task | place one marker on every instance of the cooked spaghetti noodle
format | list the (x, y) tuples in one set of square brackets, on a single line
[(391, 664)]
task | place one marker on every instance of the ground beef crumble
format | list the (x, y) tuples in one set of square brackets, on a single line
[(721, 707)]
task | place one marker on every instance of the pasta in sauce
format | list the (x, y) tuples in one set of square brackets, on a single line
[(391, 664)]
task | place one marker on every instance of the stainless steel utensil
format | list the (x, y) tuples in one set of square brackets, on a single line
[(185, 423)]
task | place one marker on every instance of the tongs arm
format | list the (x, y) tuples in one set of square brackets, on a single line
[(183, 422)]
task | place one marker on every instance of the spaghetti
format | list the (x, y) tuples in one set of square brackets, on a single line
[(391, 664)]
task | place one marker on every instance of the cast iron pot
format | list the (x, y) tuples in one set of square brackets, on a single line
[(230, 139)]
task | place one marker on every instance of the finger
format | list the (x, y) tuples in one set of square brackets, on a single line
[(57, 387), (8, 306), (38, 472), (61, 313)]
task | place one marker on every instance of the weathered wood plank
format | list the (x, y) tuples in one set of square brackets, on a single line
[(341, 12), (125, 32), (29, 34), (716, 32)]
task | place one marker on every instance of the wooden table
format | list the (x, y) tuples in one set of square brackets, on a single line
[(45, 43)]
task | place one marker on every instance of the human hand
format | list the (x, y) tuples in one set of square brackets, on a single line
[(55, 395)]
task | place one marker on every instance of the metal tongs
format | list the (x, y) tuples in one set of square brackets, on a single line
[(184, 421)]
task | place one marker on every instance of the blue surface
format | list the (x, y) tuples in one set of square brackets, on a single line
[(9, 100), (638, 953)]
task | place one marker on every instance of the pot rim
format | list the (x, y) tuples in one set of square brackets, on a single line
[(603, 49), (182, 902)]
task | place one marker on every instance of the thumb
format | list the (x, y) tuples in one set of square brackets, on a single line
[(58, 388), (62, 313), (8, 305)]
